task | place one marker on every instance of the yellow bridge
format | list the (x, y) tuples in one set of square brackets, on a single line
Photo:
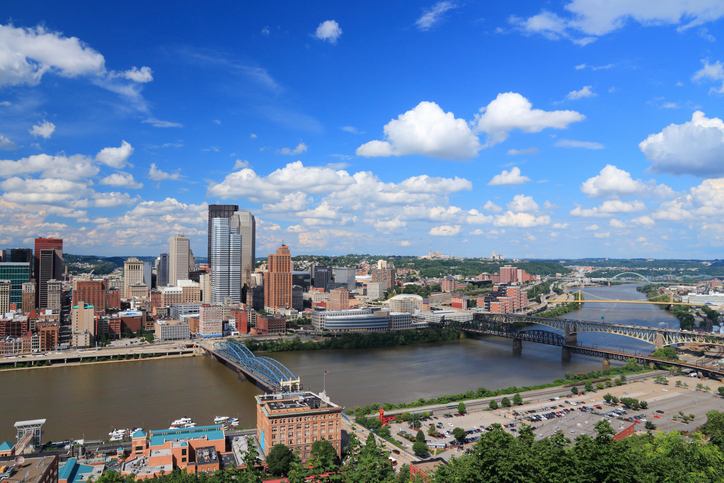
[(581, 297)]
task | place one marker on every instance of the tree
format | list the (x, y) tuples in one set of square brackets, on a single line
[(599, 386), (462, 408), (661, 380), (517, 399), (384, 432), (324, 450), (608, 383), (650, 426), (505, 402), (589, 386), (607, 397), (721, 390), (574, 390), (431, 430), (618, 381), (668, 353), (493, 404), (419, 448), (459, 434), (279, 459), (614, 400), (644, 404), (420, 436), (631, 365)]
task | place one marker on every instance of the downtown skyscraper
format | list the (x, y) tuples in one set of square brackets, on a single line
[(48, 266), (225, 259), (218, 211), (179, 254)]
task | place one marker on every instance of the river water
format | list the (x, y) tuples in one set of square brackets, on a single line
[(88, 401)]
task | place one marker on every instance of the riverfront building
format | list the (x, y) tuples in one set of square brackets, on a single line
[(211, 319), (297, 420), (171, 329), (366, 319), (409, 303), (338, 299), (84, 326), (35, 470), (278, 279)]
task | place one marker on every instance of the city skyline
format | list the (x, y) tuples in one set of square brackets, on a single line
[(538, 130)]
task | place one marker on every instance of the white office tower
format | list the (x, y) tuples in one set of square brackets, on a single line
[(247, 229), (178, 258), (226, 259)]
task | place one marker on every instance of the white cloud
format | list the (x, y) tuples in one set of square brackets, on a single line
[(142, 75), (609, 208), (265, 31), (511, 111), (390, 226), (559, 226), (291, 202), (616, 223), (328, 31), (521, 220), (6, 144), (711, 71), (74, 167), (44, 129), (157, 175), (434, 15), (522, 203), (122, 180), (593, 18), (602, 235), (580, 66), (115, 157), (516, 152), (613, 182), (426, 130), (43, 191), (445, 230), (405, 243), (253, 136), (585, 92), (695, 147), (301, 148), (351, 129), (492, 207), (568, 143), (511, 177), (240, 164), (159, 123), (644, 220), (591, 228)]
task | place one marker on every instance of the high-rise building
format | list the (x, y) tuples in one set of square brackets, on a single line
[(21, 255), (178, 258), (54, 293), (321, 276), (211, 320), (345, 276), (92, 292), (162, 270), (278, 279), (28, 297), (383, 275), (338, 299), (508, 274), (225, 259), (132, 274), (48, 266), (247, 230), (218, 211), (17, 273), (4, 296), (83, 316)]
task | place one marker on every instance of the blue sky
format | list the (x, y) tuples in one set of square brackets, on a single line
[(535, 129)]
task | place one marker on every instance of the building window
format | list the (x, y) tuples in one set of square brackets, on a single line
[(183, 452), (183, 460)]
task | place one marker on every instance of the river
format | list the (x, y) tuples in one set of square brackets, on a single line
[(88, 401)]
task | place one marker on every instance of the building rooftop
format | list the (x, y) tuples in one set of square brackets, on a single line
[(138, 434), (5, 446), (206, 455), (74, 472), (30, 470), (294, 402), (210, 433)]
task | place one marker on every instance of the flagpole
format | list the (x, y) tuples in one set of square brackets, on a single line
[(324, 390)]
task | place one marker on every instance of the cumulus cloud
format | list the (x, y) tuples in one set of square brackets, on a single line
[(121, 180), (157, 175), (587, 19), (522, 203), (74, 167), (568, 143), (43, 129), (445, 230), (613, 182), (695, 147), (6, 144), (711, 71), (559, 226), (520, 220), (602, 235), (328, 31), (516, 152), (492, 207), (508, 177), (301, 148), (142, 75), (390, 226), (434, 15), (297, 201), (511, 111), (591, 228), (609, 208), (585, 92), (115, 157), (426, 130)]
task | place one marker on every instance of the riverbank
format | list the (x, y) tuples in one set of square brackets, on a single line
[(94, 361)]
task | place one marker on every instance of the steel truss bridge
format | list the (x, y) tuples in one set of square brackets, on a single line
[(652, 335), (267, 372), (500, 325), (628, 274), (581, 297)]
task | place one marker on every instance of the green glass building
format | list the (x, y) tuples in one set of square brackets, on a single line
[(18, 273)]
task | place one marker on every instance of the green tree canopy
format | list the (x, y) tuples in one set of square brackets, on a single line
[(279, 459)]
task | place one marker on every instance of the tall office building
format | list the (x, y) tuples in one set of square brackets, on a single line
[(162, 270), (218, 211), (21, 255), (225, 259), (321, 276), (132, 275), (18, 273), (28, 297), (48, 266), (55, 294), (345, 276), (247, 230), (178, 258), (93, 292), (278, 279), (4, 296)]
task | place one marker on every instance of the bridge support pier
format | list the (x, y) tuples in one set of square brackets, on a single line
[(659, 340), (606, 364), (565, 354), (517, 346)]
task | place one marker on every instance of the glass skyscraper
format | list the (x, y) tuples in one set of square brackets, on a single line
[(225, 259), (18, 273)]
